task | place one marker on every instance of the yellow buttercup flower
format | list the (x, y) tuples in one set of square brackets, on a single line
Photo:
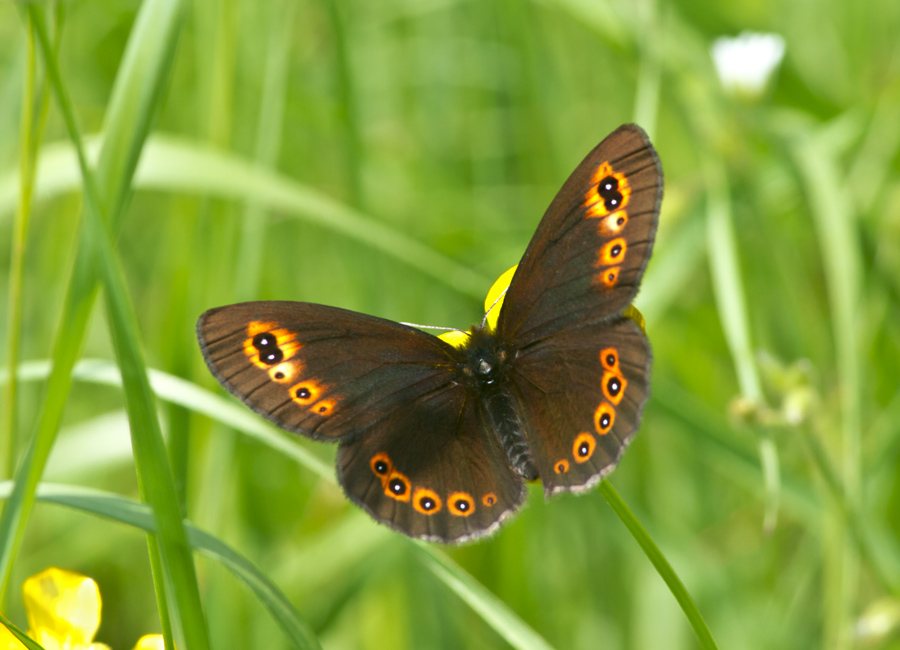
[(63, 610)]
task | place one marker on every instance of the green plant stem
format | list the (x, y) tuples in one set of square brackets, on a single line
[(732, 308), (154, 476), (665, 570), (33, 119), (888, 578)]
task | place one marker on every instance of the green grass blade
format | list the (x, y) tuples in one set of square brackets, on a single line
[(138, 515), (732, 308), (662, 566), (82, 287), (177, 165), (494, 611), (154, 474), (20, 635)]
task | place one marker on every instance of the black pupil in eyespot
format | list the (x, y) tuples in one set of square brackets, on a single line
[(613, 385), (381, 467), (427, 503), (583, 449), (261, 341), (462, 505), (303, 393), (608, 185), (397, 486), (616, 250), (604, 421), (611, 359)]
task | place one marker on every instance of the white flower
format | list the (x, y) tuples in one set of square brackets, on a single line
[(746, 62)]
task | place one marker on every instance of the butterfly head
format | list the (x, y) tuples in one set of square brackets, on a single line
[(483, 358)]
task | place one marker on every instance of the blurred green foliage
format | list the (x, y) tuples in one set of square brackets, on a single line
[(394, 158)]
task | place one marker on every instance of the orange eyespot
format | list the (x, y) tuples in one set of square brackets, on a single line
[(604, 417), (269, 345), (609, 191), (561, 467), (306, 392), (426, 501), (397, 486), (284, 372), (610, 359), (489, 499), (607, 278), (584, 446), (382, 466), (613, 252), (613, 387), (613, 224), (323, 407), (460, 504)]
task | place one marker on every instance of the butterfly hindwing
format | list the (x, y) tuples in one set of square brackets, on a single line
[(324, 372), (433, 469), (587, 256), (581, 393)]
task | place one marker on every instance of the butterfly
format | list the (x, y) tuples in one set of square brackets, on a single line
[(438, 435)]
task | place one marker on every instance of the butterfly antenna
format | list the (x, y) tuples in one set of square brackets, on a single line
[(433, 327), (493, 304)]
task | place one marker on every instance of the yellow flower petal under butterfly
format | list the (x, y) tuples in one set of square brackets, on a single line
[(632, 312), (150, 642), (63, 609), (456, 338), (496, 294)]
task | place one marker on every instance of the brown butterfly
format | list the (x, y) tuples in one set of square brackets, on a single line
[(438, 435)]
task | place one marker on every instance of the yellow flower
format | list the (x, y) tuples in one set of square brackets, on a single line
[(63, 610)]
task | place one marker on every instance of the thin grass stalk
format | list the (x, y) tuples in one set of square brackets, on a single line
[(348, 114), (732, 308), (154, 476), (662, 566), (27, 150), (834, 218), (127, 124)]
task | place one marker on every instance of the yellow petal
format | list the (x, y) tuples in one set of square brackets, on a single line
[(62, 605), (495, 297), (632, 312), (8, 640), (150, 642), (455, 338)]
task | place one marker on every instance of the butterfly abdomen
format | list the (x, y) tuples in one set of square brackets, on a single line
[(486, 366)]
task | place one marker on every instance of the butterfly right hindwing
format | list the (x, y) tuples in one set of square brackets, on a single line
[(581, 393)]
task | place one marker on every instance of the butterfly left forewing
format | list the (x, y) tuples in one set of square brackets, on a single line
[(320, 371), (581, 393)]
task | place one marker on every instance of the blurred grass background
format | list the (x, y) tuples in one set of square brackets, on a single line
[(394, 158)]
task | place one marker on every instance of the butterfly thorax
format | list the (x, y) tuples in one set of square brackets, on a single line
[(486, 366)]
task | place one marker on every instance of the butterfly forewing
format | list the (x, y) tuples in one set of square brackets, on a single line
[(588, 254), (321, 371)]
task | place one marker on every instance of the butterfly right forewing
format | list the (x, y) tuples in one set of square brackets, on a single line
[(589, 252)]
